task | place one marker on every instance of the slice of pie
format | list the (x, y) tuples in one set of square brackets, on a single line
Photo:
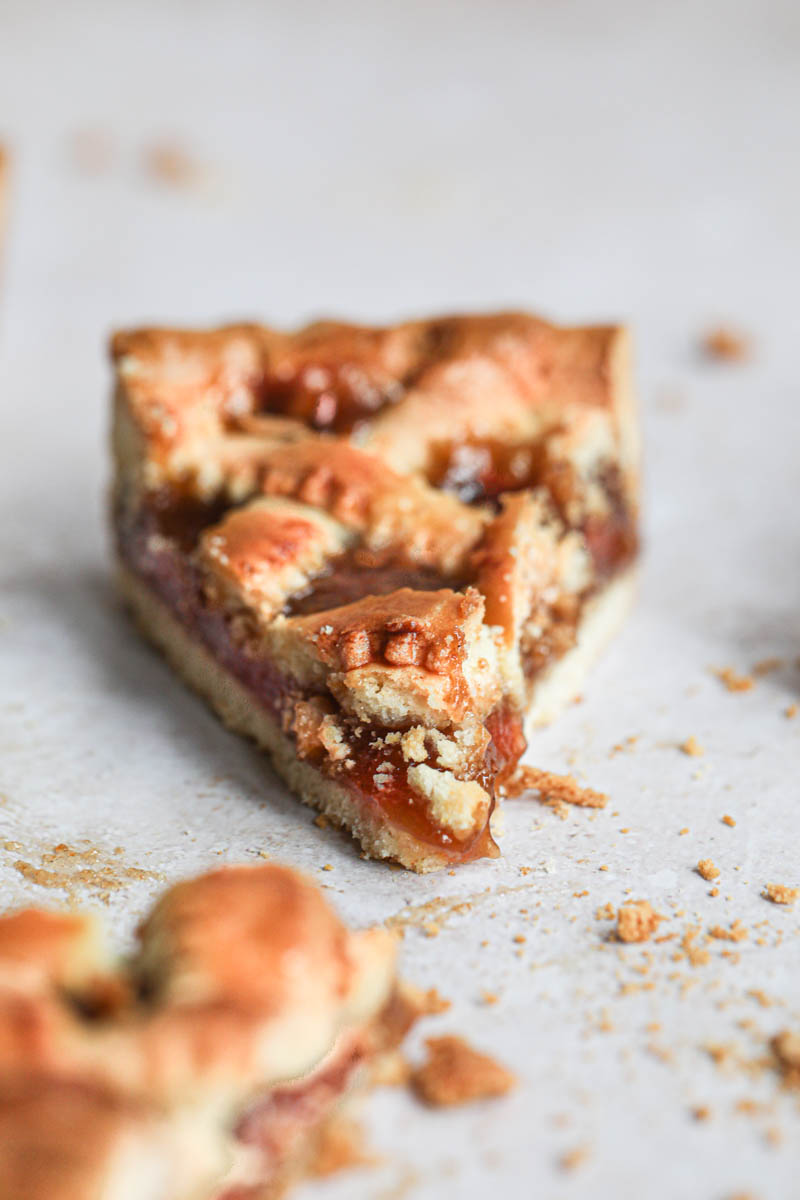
[(210, 1065), (384, 554)]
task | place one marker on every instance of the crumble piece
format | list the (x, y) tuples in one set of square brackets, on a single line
[(766, 666), (728, 820), (736, 933), (779, 893), (790, 712), (636, 921), (692, 747), (707, 870), (555, 790), (573, 1158), (340, 1147), (733, 681), (723, 344), (701, 1112), (786, 1048), (454, 1073)]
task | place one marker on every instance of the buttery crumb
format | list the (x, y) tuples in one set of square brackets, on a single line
[(733, 681), (785, 1047), (431, 929), (723, 344), (736, 933), (692, 747), (707, 869), (455, 1073), (636, 921), (713, 891), (555, 790), (606, 913), (766, 666), (684, 831), (701, 1113), (790, 711), (341, 1146), (168, 163), (728, 820), (779, 893), (489, 997), (434, 1002), (573, 1158)]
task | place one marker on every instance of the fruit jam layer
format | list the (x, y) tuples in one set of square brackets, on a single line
[(358, 573), (480, 471), (154, 542)]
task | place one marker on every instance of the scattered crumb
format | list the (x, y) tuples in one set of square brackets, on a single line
[(723, 344), (321, 821), (736, 933), (170, 164), (701, 1113), (779, 893), (555, 790), (790, 711), (432, 1002), (692, 747), (340, 1146), (728, 820), (697, 956), (707, 869), (684, 831), (606, 913), (454, 1073), (786, 1048), (519, 938), (734, 682), (327, 867), (713, 891), (431, 929), (573, 1158), (762, 998), (766, 665), (636, 921), (489, 997)]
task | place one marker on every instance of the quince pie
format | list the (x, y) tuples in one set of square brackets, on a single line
[(384, 554), (211, 1065)]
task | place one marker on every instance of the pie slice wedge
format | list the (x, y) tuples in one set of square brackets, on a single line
[(207, 1067), (384, 554)]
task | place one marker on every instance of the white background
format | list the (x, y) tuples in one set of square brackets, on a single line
[(589, 161)]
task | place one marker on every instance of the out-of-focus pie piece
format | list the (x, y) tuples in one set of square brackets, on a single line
[(207, 1067), (384, 554)]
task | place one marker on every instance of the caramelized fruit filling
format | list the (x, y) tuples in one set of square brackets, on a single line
[(477, 471), (360, 572), (330, 398), (481, 470)]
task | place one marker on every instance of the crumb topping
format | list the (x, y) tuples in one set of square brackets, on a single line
[(455, 1073)]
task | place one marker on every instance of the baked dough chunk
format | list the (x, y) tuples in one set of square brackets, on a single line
[(384, 554), (206, 1067)]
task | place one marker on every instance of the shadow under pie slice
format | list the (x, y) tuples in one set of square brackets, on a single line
[(210, 1064), (384, 554)]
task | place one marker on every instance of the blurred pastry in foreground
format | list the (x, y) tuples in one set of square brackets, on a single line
[(207, 1067)]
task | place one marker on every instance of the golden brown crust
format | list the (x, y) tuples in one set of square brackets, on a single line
[(244, 979)]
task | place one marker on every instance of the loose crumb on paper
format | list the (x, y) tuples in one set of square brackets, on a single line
[(707, 869), (733, 681), (779, 893), (554, 790), (692, 747), (725, 344), (455, 1073), (636, 921)]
